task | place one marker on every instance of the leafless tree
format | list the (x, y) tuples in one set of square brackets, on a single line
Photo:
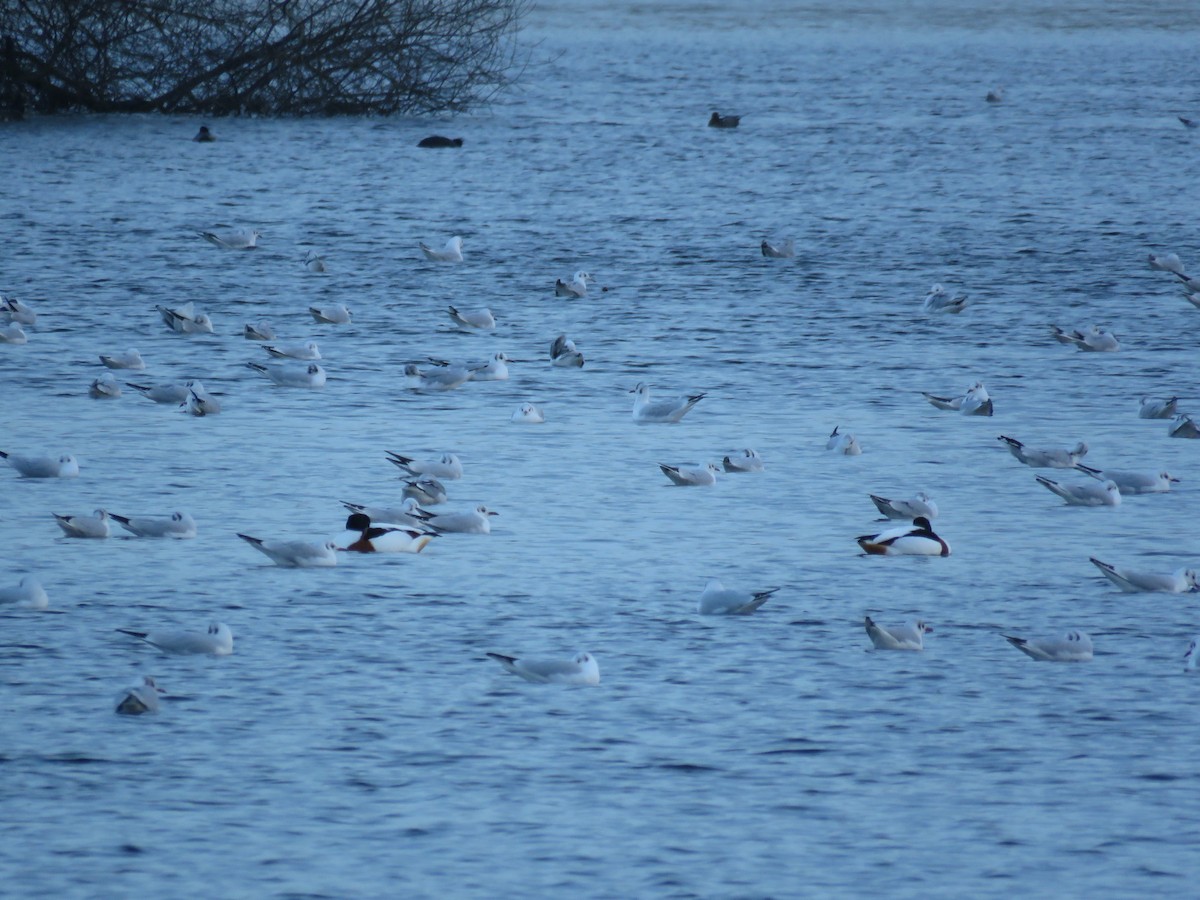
[(274, 57)]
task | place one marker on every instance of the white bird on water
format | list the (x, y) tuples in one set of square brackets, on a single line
[(425, 490), (705, 476), (13, 334), (185, 320), (844, 443), (576, 287), (910, 636), (1158, 409), (779, 250), (163, 393), (528, 414), (1183, 427), (1045, 459), (920, 505), (1074, 646), (200, 402), (452, 252), (258, 331), (139, 698), (565, 354), (408, 513), (1105, 494), (746, 461), (13, 310), (130, 359), (177, 525), (1167, 262), (646, 411), (939, 300), (332, 314), (43, 466), (580, 670), (718, 600), (314, 262), (1095, 339), (1130, 483), (975, 402), (94, 526), (477, 521), (105, 387), (306, 350), (294, 554), (1192, 658), (237, 239), (28, 594), (292, 375), (216, 641), (1131, 582), (447, 466), (479, 319), (444, 378)]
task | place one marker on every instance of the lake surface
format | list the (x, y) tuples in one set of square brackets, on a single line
[(358, 742)]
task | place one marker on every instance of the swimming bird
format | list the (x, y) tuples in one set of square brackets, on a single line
[(139, 698), (185, 320), (362, 536), (718, 600), (528, 414), (314, 262), (920, 505), (437, 141), (28, 593), (448, 466), (1158, 409), (1106, 494), (477, 521), (1132, 482), (452, 252), (43, 466), (1192, 656), (1188, 123), (564, 353), (237, 239), (494, 369), (975, 402), (130, 359), (204, 135), (918, 539), (216, 641), (844, 443), (13, 310), (105, 387), (688, 477), (331, 314), (1193, 299), (258, 331), (408, 513), (475, 318), (1191, 284), (910, 636), (995, 95), (1131, 582), (670, 411), (576, 287), (940, 300), (1045, 459), (1074, 646), (200, 402), (782, 250), (1183, 427), (13, 334), (307, 350), (580, 670), (746, 461), (163, 393), (94, 526), (716, 120), (177, 525), (1095, 339), (310, 376), (426, 491), (294, 554), (1168, 262)]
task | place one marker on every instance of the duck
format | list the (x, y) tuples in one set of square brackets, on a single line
[(361, 536), (439, 141), (204, 135), (917, 540), (716, 120)]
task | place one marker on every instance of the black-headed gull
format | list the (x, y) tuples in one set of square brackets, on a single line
[(580, 670), (718, 600), (1089, 494), (258, 331), (362, 536), (452, 252), (746, 461), (425, 490), (1158, 409), (1192, 284), (13, 310), (781, 250), (217, 640), (292, 375), (1192, 658), (716, 120), (332, 314), (1074, 646), (917, 539), (200, 402), (106, 387), (129, 359), (314, 262), (1130, 483), (43, 466), (28, 593), (1167, 262), (177, 525), (448, 466), (93, 526), (14, 334), (1178, 582), (844, 443), (306, 350), (975, 402), (703, 476), (920, 505), (1095, 339), (477, 521), (939, 300), (185, 320), (528, 414), (1183, 427), (576, 287), (646, 411), (493, 369), (140, 697), (408, 513), (162, 393), (237, 239), (910, 636), (565, 354), (481, 319), (442, 378), (294, 554), (1045, 459)]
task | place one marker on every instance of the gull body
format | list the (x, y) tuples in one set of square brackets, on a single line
[(528, 414), (130, 359), (43, 466), (1178, 582), (200, 402), (105, 387), (1167, 262), (28, 593), (576, 287), (139, 698), (425, 490), (307, 350), (565, 354), (237, 239), (443, 378), (13, 310), (162, 393), (177, 525), (452, 252), (477, 521), (647, 411), (314, 262), (481, 319), (1183, 427), (294, 554), (409, 513), (1074, 646), (1045, 459), (782, 250), (332, 314), (1192, 658), (1089, 494), (841, 442), (1158, 409), (1132, 482), (580, 670), (705, 476), (920, 505), (217, 640), (258, 331), (975, 402), (910, 636), (1095, 339), (310, 376), (917, 539), (13, 333), (746, 461), (448, 466), (94, 526), (939, 300), (185, 320), (718, 600)]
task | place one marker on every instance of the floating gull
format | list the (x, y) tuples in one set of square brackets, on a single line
[(494, 369), (452, 252), (13, 334), (238, 239), (920, 505), (105, 387), (216, 641), (1074, 646), (718, 600), (975, 402), (426, 491), (200, 402), (576, 287), (94, 526), (409, 513), (176, 525), (917, 539), (580, 670), (28, 593), (333, 314), (1158, 409), (258, 331), (185, 320), (841, 442), (313, 262), (910, 636), (1131, 582), (660, 411), (307, 350), (43, 466), (13, 310), (361, 536), (294, 554), (716, 120), (1106, 494), (1095, 339), (1168, 262), (163, 393), (473, 318), (1045, 459), (477, 521), (1192, 656), (1132, 482), (939, 300), (448, 466), (686, 477), (782, 250), (130, 359), (310, 376), (746, 461), (564, 353), (1183, 427), (140, 697), (1192, 298), (528, 414)]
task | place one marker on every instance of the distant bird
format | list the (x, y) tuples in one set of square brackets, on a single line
[(448, 466), (1045, 459), (217, 640), (130, 359), (473, 318), (42, 466), (477, 521), (333, 314), (444, 378), (782, 250), (1131, 582), (105, 387), (580, 670), (646, 411), (313, 262), (13, 310), (918, 539), (719, 121), (576, 287), (1132, 482), (1192, 657), (689, 477), (1188, 123), (844, 443), (746, 461), (910, 636), (237, 239), (28, 594), (185, 320), (200, 402), (1168, 262), (718, 600), (452, 252), (292, 375), (920, 505), (1074, 646), (258, 331), (307, 350), (1095, 339), (437, 141), (995, 95), (294, 554), (528, 414), (1106, 494), (139, 698), (177, 525), (362, 536), (14, 334), (565, 354), (939, 300), (1183, 427), (94, 526), (204, 135), (1158, 409)]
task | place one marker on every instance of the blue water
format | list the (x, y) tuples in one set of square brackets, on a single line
[(359, 742)]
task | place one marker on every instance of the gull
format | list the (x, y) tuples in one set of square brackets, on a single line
[(939, 300), (1190, 658), (1132, 482), (163, 393), (1131, 582), (425, 490), (494, 369), (910, 636), (185, 320), (1095, 339), (473, 318), (841, 442), (1158, 409), (95, 526), (746, 461), (1168, 262), (258, 331), (130, 359), (28, 593), (238, 239), (917, 539), (576, 287), (1192, 284), (13, 334), (216, 641), (140, 697), (361, 536), (176, 525), (1045, 459), (13, 310), (307, 350), (528, 414), (334, 314), (294, 554), (716, 120), (580, 670), (452, 252), (701, 477), (1193, 298), (106, 386), (448, 466), (310, 376), (782, 250), (1183, 427), (446, 378), (409, 513), (564, 353), (314, 262), (200, 402), (1074, 646), (920, 505), (718, 600), (975, 402), (660, 411), (474, 522), (43, 466), (1106, 494)]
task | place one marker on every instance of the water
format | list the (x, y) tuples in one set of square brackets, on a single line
[(359, 743)]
